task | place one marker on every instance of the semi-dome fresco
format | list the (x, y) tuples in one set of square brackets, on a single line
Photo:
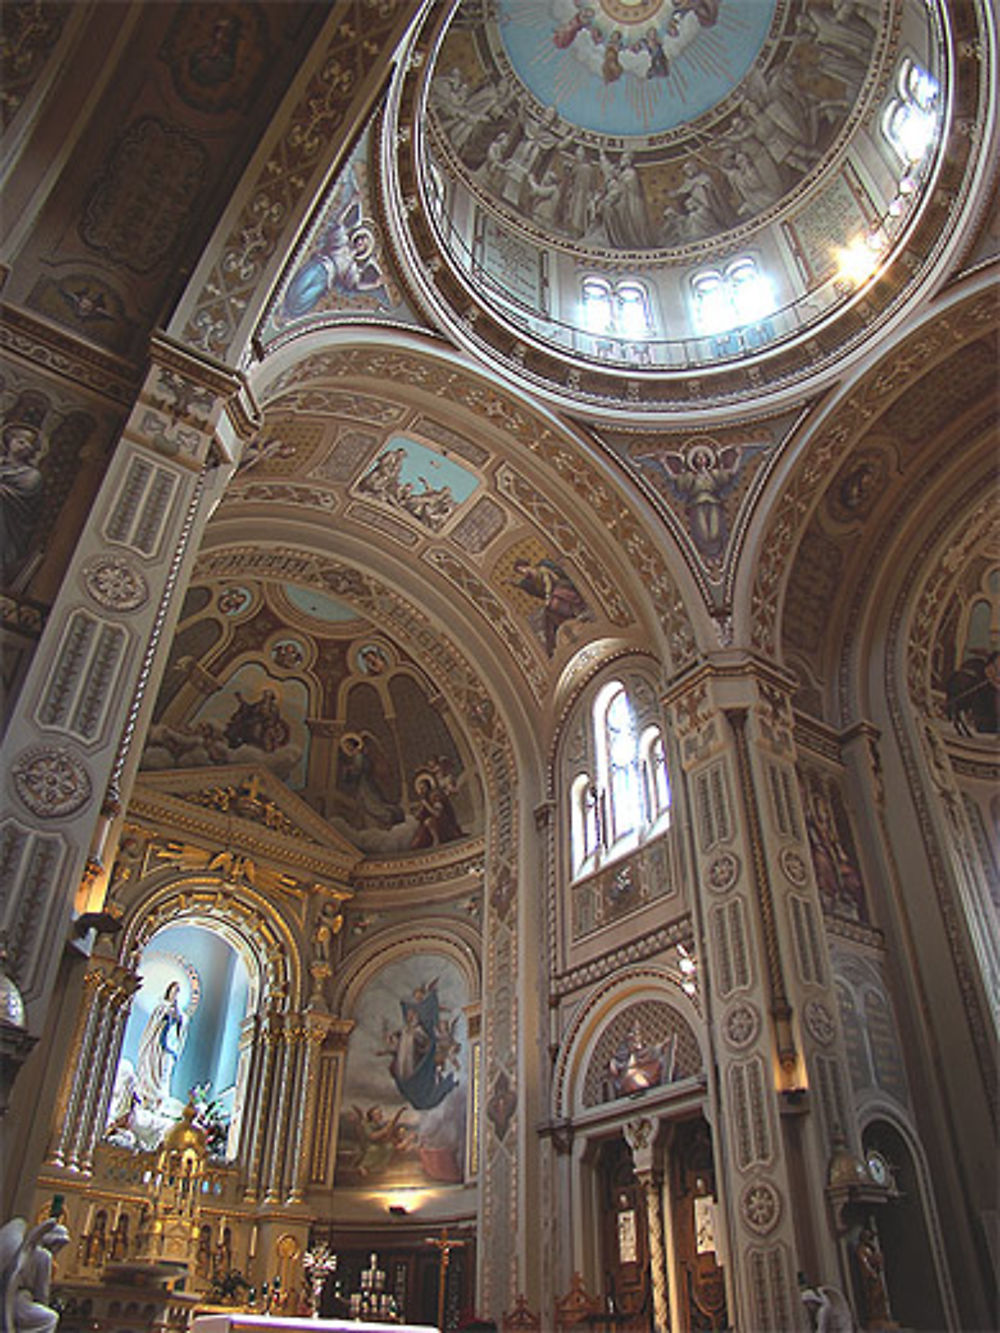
[(286, 678), (659, 184)]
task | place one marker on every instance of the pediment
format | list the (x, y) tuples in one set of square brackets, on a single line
[(245, 805)]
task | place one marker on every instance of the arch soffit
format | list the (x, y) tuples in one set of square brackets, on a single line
[(308, 141), (901, 602), (595, 1013), (166, 898), (541, 468), (454, 939), (859, 411), (489, 713)]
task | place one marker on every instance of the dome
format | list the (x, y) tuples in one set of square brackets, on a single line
[(621, 194)]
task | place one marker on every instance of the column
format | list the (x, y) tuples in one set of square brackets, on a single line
[(68, 757), (258, 1113), (316, 1028), (77, 1070), (122, 985), (639, 1135), (277, 1120)]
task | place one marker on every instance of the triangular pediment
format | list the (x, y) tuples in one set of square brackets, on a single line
[(244, 805)]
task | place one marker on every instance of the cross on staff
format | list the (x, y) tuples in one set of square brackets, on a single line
[(444, 1245)]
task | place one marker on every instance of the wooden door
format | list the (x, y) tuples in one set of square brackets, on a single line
[(624, 1239), (702, 1294)]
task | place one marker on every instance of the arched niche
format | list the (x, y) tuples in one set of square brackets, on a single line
[(649, 999), (909, 1234), (199, 983), (410, 1086)]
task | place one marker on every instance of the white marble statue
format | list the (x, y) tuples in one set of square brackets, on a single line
[(26, 1258)]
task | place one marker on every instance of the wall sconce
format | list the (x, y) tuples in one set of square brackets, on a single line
[(397, 1210), (688, 968)]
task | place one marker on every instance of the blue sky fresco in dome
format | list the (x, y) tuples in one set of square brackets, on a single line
[(633, 67)]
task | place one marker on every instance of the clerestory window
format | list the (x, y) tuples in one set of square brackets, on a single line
[(625, 795)]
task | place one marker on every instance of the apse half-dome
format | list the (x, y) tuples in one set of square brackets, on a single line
[(615, 195)]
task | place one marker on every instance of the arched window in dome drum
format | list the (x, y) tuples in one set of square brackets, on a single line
[(731, 306), (617, 309), (598, 309), (910, 119)]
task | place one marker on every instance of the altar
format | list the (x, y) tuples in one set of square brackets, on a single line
[(258, 1323)]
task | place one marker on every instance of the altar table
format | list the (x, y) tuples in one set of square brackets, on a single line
[(259, 1323)]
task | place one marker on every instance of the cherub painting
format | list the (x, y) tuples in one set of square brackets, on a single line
[(379, 1138)]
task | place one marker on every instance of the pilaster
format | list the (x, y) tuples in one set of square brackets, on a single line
[(783, 1084), (69, 754)]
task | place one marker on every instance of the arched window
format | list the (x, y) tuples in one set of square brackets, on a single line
[(626, 795), (598, 313), (584, 828), (731, 304), (910, 119), (616, 309), (655, 782)]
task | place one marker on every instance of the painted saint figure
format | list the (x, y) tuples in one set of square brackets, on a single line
[(837, 877), (416, 1065), (258, 722), (365, 780), (159, 1048), (556, 590), (21, 486), (434, 812), (636, 1064)]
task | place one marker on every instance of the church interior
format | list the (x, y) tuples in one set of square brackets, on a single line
[(500, 656)]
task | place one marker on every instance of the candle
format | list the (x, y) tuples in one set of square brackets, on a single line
[(253, 1241)]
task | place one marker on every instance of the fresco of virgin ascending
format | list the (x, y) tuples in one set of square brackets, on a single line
[(288, 678), (403, 1116)]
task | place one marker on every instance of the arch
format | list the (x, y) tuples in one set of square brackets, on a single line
[(451, 938), (655, 984), (815, 460), (243, 914), (909, 1230)]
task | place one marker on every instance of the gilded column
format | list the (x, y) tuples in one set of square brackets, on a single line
[(280, 1101), (316, 1028), (88, 1104), (122, 985), (77, 1070), (269, 1039)]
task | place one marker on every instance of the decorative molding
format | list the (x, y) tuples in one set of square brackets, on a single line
[(43, 345), (52, 781)]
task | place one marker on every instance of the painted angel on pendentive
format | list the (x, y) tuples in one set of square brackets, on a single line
[(700, 477)]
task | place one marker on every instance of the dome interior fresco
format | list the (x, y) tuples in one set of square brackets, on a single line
[(655, 186)]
